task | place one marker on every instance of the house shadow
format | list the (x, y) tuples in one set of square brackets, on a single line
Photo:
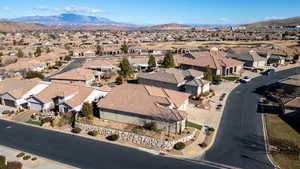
[(293, 119), (268, 109)]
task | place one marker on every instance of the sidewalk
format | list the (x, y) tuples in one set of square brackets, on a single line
[(40, 163)]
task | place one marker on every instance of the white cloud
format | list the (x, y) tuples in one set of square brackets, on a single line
[(71, 9), (272, 17)]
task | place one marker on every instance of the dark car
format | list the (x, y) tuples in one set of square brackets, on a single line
[(269, 72)]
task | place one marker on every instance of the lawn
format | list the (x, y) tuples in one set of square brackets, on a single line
[(38, 123), (231, 78), (194, 125), (279, 129)]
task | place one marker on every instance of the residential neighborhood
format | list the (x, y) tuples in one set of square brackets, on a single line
[(80, 91)]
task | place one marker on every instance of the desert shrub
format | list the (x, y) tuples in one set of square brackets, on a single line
[(46, 120), (93, 133), (26, 157), (153, 126), (211, 129), (76, 130), (179, 146), (113, 137), (34, 74), (2, 161), (57, 122), (20, 155), (34, 158), (137, 129), (203, 145), (14, 165)]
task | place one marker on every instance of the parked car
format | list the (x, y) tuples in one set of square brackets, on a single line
[(246, 79), (269, 72)]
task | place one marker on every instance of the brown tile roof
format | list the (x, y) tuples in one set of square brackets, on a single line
[(214, 59), (292, 80), (294, 103), (17, 88), (80, 93), (145, 100), (76, 74), (94, 63)]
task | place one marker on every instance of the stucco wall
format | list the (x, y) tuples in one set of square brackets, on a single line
[(176, 127)]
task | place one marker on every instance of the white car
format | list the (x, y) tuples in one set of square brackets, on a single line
[(246, 79)]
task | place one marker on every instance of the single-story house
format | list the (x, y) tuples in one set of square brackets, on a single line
[(217, 60), (87, 76), (292, 106), (64, 97), (141, 104), (139, 63), (14, 93), (291, 85), (189, 81), (103, 65), (249, 56)]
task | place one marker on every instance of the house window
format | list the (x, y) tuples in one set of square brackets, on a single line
[(234, 68)]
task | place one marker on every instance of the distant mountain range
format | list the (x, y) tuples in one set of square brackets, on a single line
[(71, 21), (66, 19), (170, 26), (295, 21)]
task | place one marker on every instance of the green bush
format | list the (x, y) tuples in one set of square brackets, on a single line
[(93, 133), (153, 126), (179, 146), (20, 155), (76, 130), (38, 123), (2, 161), (57, 122), (34, 158), (211, 129), (34, 74), (194, 125), (46, 120), (113, 137), (14, 165), (26, 157)]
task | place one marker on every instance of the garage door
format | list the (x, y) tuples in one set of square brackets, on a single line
[(35, 106), (10, 103)]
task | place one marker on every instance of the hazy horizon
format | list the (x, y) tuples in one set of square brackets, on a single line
[(214, 12)]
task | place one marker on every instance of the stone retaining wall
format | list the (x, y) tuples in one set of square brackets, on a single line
[(135, 138)]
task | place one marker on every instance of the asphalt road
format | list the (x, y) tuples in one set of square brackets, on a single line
[(75, 63), (87, 153), (240, 140)]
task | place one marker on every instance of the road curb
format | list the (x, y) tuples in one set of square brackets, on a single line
[(266, 138)]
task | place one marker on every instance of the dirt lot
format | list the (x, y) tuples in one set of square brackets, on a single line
[(279, 129)]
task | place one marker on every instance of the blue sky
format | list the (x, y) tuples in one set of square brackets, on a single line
[(159, 11)]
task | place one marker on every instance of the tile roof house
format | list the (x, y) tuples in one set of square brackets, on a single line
[(100, 64), (14, 92), (140, 105), (291, 85), (249, 56), (175, 79), (216, 59), (292, 106), (64, 97), (87, 76)]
